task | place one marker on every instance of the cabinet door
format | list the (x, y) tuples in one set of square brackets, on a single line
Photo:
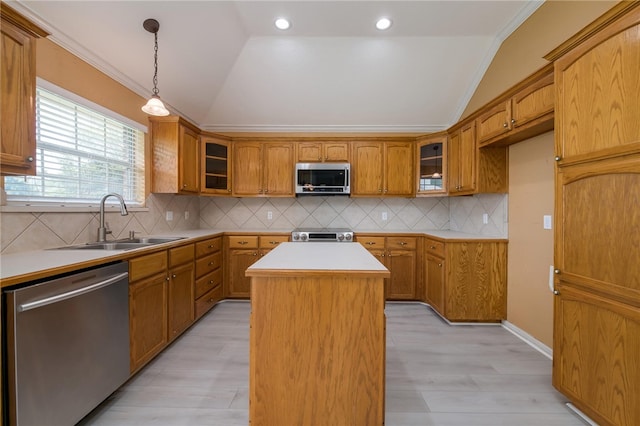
[(147, 318), (17, 108), (435, 276), (596, 350), (181, 299), (278, 169), (597, 89), (336, 152), (366, 172), (467, 159), (402, 283), (239, 261), (188, 164), (215, 167), (431, 171), (398, 168), (309, 152), (247, 170), (494, 122), (533, 102), (454, 162)]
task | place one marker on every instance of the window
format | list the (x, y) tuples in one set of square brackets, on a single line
[(82, 154)]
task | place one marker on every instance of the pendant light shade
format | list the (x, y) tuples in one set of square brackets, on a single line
[(436, 175), (154, 106)]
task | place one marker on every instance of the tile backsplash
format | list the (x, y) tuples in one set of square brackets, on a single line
[(30, 231)]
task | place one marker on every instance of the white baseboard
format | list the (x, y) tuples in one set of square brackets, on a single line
[(529, 339)]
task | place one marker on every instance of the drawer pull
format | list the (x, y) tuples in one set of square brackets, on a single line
[(402, 243), (273, 242), (210, 245), (210, 281), (432, 247), (370, 243), (243, 242)]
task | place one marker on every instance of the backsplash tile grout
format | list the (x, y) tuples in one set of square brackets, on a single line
[(31, 231)]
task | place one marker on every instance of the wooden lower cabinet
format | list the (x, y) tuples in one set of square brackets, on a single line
[(596, 351), (242, 252), (181, 289), (467, 280), (400, 255), (208, 288), (161, 307), (148, 314)]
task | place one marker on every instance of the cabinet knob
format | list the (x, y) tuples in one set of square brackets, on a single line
[(210, 281), (505, 125), (30, 159), (379, 190), (432, 247), (266, 190), (168, 278), (556, 271), (210, 245), (184, 185), (255, 254), (557, 158), (229, 190), (210, 263), (513, 121), (173, 275), (556, 292), (440, 265)]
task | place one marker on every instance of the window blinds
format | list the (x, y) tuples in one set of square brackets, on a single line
[(81, 156)]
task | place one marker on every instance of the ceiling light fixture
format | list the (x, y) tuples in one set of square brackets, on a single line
[(383, 24), (154, 105), (282, 24)]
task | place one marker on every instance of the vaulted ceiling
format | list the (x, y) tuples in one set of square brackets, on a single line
[(224, 66)]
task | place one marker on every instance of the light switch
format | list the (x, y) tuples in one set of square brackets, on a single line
[(546, 221)]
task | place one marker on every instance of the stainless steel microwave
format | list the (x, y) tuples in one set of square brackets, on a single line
[(323, 178)]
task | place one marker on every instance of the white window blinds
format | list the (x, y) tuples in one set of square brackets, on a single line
[(81, 155)]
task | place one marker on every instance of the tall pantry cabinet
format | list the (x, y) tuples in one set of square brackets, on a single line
[(597, 243)]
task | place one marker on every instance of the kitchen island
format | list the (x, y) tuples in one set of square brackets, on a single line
[(317, 340)]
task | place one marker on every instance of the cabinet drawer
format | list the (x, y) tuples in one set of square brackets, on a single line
[(409, 243), (145, 266), (371, 242), (206, 302), (180, 255), (434, 247), (269, 242), (243, 241), (208, 246), (208, 264), (207, 282)]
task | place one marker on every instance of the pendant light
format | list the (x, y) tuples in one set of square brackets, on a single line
[(154, 106), (436, 175)]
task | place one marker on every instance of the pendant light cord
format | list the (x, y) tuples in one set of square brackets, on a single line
[(155, 65)]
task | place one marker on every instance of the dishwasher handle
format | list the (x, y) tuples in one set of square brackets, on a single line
[(68, 295)]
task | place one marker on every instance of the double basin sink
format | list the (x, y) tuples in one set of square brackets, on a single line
[(127, 244)]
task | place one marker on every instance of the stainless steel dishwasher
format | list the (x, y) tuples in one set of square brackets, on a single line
[(67, 345)]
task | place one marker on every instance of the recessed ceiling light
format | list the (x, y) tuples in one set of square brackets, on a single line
[(383, 24), (282, 24)]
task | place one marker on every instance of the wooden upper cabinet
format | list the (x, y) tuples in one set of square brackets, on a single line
[(176, 152), (431, 165), (462, 160), (263, 168), (382, 168), (521, 115), (473, 170), (366, 170), (598, 93), (215, 157), (18, 92), (313, 152)]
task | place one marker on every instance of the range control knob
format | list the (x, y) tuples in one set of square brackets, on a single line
[(295, 237), (340, 237), (348, 237), (303, 237)]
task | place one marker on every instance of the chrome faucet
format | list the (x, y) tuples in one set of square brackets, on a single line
[(102, 230)]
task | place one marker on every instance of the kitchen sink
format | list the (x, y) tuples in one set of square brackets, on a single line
[(127, 244)]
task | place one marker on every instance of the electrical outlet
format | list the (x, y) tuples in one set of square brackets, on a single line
[(485, 218), (169, 216), (186, 215), (269, 215), (384, 215)]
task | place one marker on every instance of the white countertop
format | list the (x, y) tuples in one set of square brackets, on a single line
[(320, 256)]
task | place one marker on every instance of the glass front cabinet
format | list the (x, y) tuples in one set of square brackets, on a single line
[(216, 166), (432, 165)]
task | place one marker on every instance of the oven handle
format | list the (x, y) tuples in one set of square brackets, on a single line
[(68, 295)]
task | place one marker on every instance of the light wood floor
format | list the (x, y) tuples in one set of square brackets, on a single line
[(436, 375)]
